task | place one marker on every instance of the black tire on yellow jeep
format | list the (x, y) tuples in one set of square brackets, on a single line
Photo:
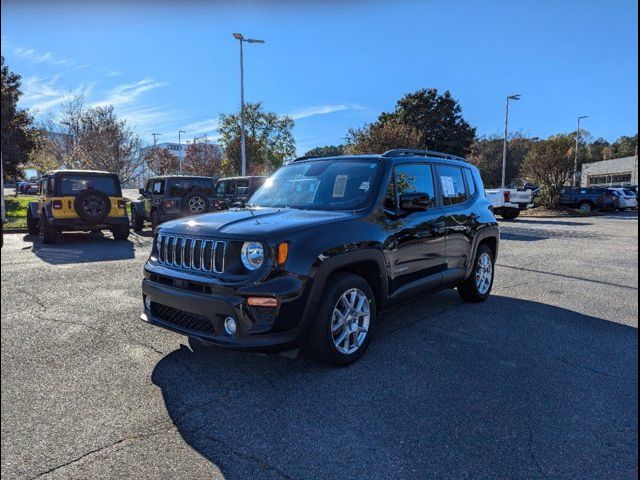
[(92, 205), (32, 224), (120, 232), (48, 233)]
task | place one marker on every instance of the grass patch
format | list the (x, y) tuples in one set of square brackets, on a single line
[(16, 211)]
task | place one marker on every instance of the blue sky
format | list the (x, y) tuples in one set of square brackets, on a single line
[(332, 65)]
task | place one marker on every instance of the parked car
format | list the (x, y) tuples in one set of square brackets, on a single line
[(627, 199), (235, 191), (170, 197), (509, 202), (321, 248), (587, 199), (78, 200)]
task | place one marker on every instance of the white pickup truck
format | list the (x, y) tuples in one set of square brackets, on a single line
[(509, 202)]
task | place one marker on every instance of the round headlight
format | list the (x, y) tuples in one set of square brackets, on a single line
[(252, 255)]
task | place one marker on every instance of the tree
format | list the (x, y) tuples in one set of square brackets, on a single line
[(161, 162), (436, 117), (549, 163), (625, 146), (17, 137), (380, 137), (93, 138), (326, 151), (269, 138), (597, 150), (486, 154), (202, 158)]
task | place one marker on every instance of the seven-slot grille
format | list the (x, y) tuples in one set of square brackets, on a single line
[(191, 253)]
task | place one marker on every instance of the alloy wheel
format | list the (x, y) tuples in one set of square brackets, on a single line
[(350, 321)]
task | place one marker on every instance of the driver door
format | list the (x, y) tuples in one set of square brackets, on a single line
[(419, 238)]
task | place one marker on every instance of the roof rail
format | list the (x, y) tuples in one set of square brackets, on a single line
[(401, 152), (299, 159)]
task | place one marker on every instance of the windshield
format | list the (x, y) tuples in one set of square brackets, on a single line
[(319, 185), (72, 184)]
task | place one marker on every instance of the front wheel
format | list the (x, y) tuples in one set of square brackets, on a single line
[(477, 287), (137, 222), (341, 332), (48, 233)]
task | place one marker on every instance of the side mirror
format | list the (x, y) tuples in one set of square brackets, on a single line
[(414, 202)]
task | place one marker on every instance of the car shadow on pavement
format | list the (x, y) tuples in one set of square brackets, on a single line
[(529, 234), (83, 247), (506, 389), (564, 223)]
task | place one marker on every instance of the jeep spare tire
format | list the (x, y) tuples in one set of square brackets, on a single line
[(92, 205), (195, 203)]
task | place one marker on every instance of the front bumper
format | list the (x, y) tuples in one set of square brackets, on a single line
[(79, 224), (201, 314)]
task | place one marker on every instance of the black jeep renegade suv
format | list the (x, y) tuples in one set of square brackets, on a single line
[(323, 247)]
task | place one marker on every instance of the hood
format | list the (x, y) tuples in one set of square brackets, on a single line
[(251, 223)]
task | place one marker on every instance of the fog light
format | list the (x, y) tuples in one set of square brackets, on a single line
[(230, 326), (147, 302)]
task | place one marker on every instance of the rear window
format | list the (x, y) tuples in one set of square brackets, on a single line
[(73, 184), (180, 186)]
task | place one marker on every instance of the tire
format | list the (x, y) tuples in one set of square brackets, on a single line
[(509, 213), (475, 290), (585, 207), (155, 220), (92, 205), (195, 203), (325, 346), (32, 224), (137, 223), (120, 232), (48, 233)]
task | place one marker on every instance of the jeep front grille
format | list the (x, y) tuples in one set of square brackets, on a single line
[(191, 253)]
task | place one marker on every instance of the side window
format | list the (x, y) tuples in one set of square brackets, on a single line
[(158, 187), (452, 184), (471, 183), (221, 188), (242, 187), (414, 178), (204, 185)]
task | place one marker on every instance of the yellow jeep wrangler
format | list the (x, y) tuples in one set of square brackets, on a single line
[(78, 200)]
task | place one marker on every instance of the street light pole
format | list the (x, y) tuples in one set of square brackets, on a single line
[(506, 134), (180, 132), (243, 152), (575, 161)]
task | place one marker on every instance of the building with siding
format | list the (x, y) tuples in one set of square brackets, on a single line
[(618, 171)]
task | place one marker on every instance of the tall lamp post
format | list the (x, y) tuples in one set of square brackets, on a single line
[(180, 132), (575, 160), (506, 134), (243, 153)]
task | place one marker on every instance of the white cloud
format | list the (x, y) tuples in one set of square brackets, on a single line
[(35, 56), (41, 94), (321, 110), (128, 93), (210, 125)]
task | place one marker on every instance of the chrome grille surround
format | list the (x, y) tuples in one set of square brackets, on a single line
[(191, 253)]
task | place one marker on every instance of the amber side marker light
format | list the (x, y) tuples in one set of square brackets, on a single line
[(283, 251), (262, 302)]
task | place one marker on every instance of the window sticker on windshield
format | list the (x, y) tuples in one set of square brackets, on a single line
[(364, 186), (340, 186), (448, 187)]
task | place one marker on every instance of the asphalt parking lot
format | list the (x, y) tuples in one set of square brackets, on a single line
[(541, 381)]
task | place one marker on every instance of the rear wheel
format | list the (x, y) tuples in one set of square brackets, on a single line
[(341, 332), (32, 224), (477, 287), (120, 232), (585, 206), (137, 222), (48, 233), (510, 213)]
